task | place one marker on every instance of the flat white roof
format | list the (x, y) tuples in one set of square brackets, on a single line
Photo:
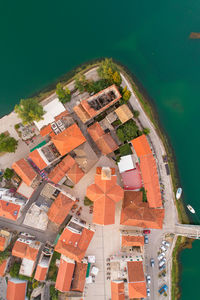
[(25, 190), (27, 267), (52, 109), (126, 163)]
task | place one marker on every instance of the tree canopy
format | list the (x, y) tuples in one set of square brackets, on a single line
[(146, 131), (127, 131), (7, 143), (64, 94), (29, 110), (117, 78), (8, 174), (81, 83), (107, 69)]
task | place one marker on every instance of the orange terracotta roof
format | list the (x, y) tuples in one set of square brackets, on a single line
[(136, 280), (24, 250), (64, 277), (151, 181), (46, 130), (2, 243), (61, 115), (117, 290), (135, 212), (16, 289), (37, 159), (95, 131), (3, 266), (41, 273), (75, 173), (104, 193), (104, 141), (132, 241), (9, 210), (60, 209), (68, 139), (24, 170), (61, 169), (74, 245), (78, 282), (141, 146), (67, 163)]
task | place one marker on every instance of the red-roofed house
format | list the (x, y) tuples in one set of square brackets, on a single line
[(36, 157), (104, 141), (65, 273), (74, 240), (68, 139), (3, 267), (117, 290), (41, 272), (79, 277), (135, 212), (136, 280), (16, 289), (60, 208), (132, 241), (105, 192), (5, 238), (25, 171)]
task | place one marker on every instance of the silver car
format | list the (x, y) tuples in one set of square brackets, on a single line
[(148, 279), (148, 292), (161, 255)]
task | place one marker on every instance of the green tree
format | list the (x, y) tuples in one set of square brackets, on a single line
[(7, 143), (87, 202), (4, 255), (81, 83), (126, 95), (107, 69), (117, 78), (136, 114), (29, 110), (127, 131), (64, 94), (8, 174), (146, 131), (14, 270)]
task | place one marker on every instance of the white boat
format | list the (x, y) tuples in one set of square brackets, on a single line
[(191, 209), (178, 193)]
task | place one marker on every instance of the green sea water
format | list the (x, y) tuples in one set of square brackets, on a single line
[(42, 40)]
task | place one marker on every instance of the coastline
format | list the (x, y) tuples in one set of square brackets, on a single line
[(151, 113)]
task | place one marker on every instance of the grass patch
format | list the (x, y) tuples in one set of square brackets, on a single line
[(53, 270), (125, 150)]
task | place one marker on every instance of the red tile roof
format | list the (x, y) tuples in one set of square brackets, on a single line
[(41, 273), (75, 173), (16, 289), (46, 130), (64, 277), (117, 290), (141, 146), (78, 282), (60, 209), (2, 243), (9, 210), (68, 139), (61, 115), (24, 250), (3, 266), (104, 193), (37, 159), (135, 212), (25, 171), (74, 245), (136, 280), (132, 241), (104, 141)]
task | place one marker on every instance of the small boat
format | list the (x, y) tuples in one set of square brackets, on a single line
[(178, 193), (191, 209)]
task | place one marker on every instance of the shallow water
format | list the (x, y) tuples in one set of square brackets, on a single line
[(42, 40)]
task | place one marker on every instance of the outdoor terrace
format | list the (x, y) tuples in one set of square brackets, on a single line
[(50, 152)]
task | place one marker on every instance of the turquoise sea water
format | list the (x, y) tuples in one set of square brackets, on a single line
[(42, 40)]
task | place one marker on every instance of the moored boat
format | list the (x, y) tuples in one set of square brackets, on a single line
[(191, 209), (178, 193)]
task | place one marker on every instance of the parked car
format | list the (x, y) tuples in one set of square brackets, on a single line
[(146, 239), (162, 268), (164, 259), (146, 231), (152, 262), (163, 248), (148, 279), (165, 243), (148, 292), (161, 263), (163, 289), (161, 255)]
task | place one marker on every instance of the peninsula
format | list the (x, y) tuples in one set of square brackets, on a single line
[(87, 207)]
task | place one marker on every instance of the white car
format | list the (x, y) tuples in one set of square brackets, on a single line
[(165, 243), (161, 263), (161, 255), (163, 248), (148, 279), (148, 292)]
